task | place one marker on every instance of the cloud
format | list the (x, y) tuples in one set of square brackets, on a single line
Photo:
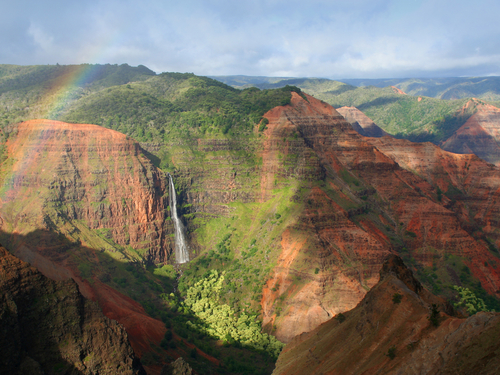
[(357, 38), (41, 39)]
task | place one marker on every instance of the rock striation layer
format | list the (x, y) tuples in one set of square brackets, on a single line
[(363, 340), (361, 122), (85, 179), (480, 135), (48, 327), (378, 195)]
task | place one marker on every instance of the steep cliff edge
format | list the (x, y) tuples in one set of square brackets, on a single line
[(49, 327), (92, 184), (385, 334), (378, 195), (81, 202), (480, 135), (361, 122)]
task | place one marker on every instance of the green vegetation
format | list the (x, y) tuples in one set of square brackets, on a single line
[(391, 352), (434, 316), (340, 317), (220, 321), (420, 119), (469, 301), (173, 105), (397, 298), (446, 272)]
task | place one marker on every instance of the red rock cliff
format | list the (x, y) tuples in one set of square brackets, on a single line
[(361, 341), (48, 325), (480, 135), (77, 177), (374, 197)]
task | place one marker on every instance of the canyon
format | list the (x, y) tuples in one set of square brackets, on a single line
[(398, 181), (299, 209)]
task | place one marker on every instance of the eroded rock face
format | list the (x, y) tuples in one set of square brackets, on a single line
[(47, 327), (362, 340), (480, 135), (374, 189), (178, 367), (76, 178), (361, 122)]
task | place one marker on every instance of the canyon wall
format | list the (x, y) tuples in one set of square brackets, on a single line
[(388, 335), (379, 195), (480, 135), (49, 327), (84, 180)]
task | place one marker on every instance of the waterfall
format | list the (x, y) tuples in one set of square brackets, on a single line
[(181, 248)]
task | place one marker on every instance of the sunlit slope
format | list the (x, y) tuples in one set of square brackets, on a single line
[(46, 91)]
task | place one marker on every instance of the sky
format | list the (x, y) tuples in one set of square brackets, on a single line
[(313, 38)]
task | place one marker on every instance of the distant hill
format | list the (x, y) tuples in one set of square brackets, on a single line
[(242, 81), (417, 118), (486, 88)]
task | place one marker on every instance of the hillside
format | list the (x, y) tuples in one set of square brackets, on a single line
[(447, 88), (45, 91), (361, 123), (421, 116), (47, 326), (485, 88), (289, 213), (479, 135), (398, 328)]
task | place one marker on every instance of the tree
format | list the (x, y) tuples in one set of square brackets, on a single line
[(434, 315), (469, 301)]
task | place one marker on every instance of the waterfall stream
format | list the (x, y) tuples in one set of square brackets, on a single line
[(181, 248)]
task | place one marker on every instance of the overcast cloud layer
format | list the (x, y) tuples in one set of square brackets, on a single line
[(313, 38)]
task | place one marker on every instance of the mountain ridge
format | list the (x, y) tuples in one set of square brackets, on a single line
[(417, 335)]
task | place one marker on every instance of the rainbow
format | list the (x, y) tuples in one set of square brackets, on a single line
[(65, 89), (60, 93)]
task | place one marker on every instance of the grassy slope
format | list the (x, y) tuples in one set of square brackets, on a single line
[(26, 92), (427, 119)]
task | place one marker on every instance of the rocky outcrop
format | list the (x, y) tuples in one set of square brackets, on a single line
[(48, 327), (82, 180), (385, 334), (361, 122), (480, 135), (379, 195), (178, 367), (398, 90)]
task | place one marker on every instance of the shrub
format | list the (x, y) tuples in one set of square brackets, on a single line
[(396, 298), (263, 124), (391, 353), (434, 315), (469, 300), (340, 317), (193, 353)]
